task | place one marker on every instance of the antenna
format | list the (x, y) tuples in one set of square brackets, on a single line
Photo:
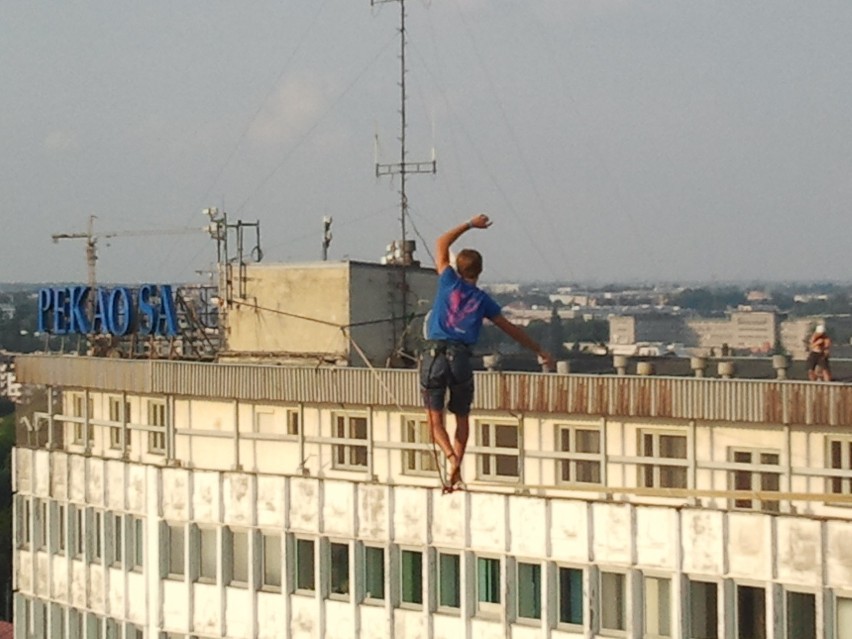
[(404, 253), (326, 236)]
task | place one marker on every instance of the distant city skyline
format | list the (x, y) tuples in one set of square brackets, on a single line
[(611, 141)]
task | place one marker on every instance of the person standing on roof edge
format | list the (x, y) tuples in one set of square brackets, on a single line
[(452, 328), (819, 349)]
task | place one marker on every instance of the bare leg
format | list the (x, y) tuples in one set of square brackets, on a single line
[(439, 432), (460, 444)]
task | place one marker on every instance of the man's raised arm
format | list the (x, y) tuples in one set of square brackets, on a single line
[(443, 243)]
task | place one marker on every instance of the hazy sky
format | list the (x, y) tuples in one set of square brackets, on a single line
[(608, 139)]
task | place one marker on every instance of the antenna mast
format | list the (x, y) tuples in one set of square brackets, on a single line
[(404, 253)]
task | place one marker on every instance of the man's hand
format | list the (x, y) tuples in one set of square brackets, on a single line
[(546, 359), (481, 221)]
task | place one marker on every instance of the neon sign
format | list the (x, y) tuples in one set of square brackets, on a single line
[(70, 310)]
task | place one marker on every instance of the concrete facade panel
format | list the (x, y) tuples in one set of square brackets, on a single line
[(487, 629), (520, 631), (488, 522), (136, 485), (410, 624), (271, 509), (527, 526), (304, 502), (448, 519), (42, 586), (175, 608), (24, 571), (373, 512), (838, 558), (59, 576), (175, 502), (77, 478), (612, 534), (79, 592), (59, 476), (445, 626), (338, 508), (116, 485), (374, 622), (238, 499), (239, 621), (569, 531), (206, 489), (23, 469), (657, 542), (96, 593), (799, 554), (271, 619), (95, 481), (703, 541), (206, 609), (304, 618), (115, 594), (341, 620), (749, 546), (410, 516), (137, 610), (41, 473)]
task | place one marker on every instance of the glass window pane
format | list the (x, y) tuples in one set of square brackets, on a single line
[(587, 441), (207, 554), (412, 577), (613, 601), (657, 607), (801, 615), (751, 612), (272, 560), (571, 596), (240, 556), (506, 436), (449, 573), (488, 580), (176, 550), (673, 446), (339, 569), (844, 617), (507, 465), (703, 609), (304, 564), (529, 591), (374, 559)]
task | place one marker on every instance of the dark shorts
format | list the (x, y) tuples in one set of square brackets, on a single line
[(446, 367), (817, 359)]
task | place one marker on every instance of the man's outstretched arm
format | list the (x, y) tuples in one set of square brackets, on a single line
[(522, 337), (443, 243)]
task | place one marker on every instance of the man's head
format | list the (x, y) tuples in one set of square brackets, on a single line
[(469, 264)]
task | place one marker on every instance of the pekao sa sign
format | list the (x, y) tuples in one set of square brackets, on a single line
[(147, 310)]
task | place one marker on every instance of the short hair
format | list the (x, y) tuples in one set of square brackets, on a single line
[(469, 264)]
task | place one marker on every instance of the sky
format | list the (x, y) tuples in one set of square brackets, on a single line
[(608, 140)]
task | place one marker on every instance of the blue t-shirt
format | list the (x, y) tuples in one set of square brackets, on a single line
[(459, 309)]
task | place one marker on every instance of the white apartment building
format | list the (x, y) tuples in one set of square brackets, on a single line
[(166, 499)]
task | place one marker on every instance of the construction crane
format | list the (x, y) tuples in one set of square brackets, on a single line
[(92, 240)]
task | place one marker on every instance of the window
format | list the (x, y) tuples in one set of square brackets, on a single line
[(135, 632), (136, 543), (207, 549), (40, 524), (662, 445), (498, 436), (657, 607), (94, 627), (843, 611), (75, 624), (449, 580), (801, 615), (571, 596), (83, 411), (293, 422), (840, 458), (751, 612), (415, 462), (157, 417), (374, 573), (411, 577), (529, 591), (350, 427), (238, 550), (116, 540), (271, 573), (57, 620), (23, 508), (339, 570), (304, 565), (760, 480), (703, 610), (78, 533), (613, 601), (95, 534), (264, 422), (176, 550), (119, 413), (59, 529), (488, 584), (581, 441)]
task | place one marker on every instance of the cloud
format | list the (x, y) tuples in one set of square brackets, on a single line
[(291, 111), (59, 141)]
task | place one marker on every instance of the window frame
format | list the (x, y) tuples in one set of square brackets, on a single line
[(329, 548), (297, 563), (173, 531), (345, 456), (364, 574), (538, 597), (484, 608), (261, 544), (669, 601), (488, 456), (119, 420), (736, 602), (156, 410), (401, 578), (817, 608), (570, 459), (570, 625), (625, 594), (839, 485), (228, 556), (439, 580), (755, 477), (719, 600), (416, 461), (656, 463)]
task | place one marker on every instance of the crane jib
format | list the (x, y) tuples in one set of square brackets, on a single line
[(146, 310)]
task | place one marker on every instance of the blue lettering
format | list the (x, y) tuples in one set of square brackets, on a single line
[(79, 311), (168, 315), (100, 317), (148, 316), (120, 311), (45, 303), (60, 311)]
